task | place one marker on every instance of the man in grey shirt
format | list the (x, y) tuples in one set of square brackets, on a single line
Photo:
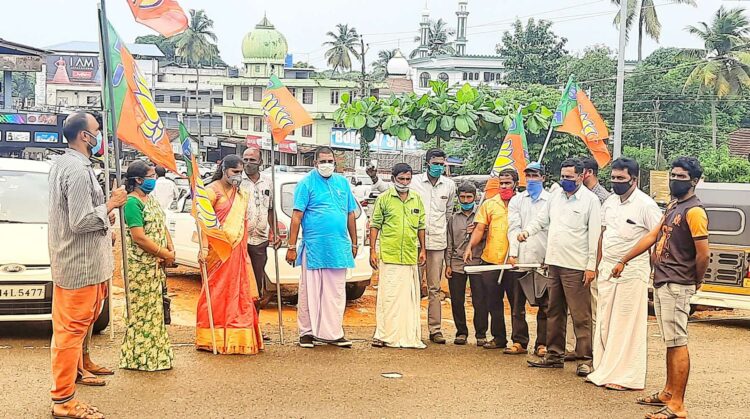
[(80, 250)]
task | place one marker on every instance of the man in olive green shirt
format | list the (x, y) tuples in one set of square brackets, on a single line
[(399, 217)]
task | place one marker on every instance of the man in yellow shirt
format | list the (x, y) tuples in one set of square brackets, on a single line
[(492, 220)]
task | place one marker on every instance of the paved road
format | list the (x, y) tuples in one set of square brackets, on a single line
[(441, 381)]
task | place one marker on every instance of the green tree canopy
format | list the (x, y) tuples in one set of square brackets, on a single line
[(197, 44), (343, 43), (532, 54), (438, 39)]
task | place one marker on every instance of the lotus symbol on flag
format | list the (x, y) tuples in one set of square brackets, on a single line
[(589, 128), (504, 157), (204, 210), (276, 112), (147, 4), (152, 127)]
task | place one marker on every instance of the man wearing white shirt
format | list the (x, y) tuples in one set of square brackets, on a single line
[(438, 195), (620, 333), (165, 190), (573, 219), (522, 210)]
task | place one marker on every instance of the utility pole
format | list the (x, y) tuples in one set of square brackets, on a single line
[(713, 123), (657, 143), (620, 95), (363, 87)]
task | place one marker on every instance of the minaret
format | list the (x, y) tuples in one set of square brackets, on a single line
[(424, 33), (462, 14)]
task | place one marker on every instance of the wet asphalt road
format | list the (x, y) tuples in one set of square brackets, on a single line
[(440, 381)]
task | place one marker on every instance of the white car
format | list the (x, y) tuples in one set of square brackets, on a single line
[(25, 276), (181, 226)]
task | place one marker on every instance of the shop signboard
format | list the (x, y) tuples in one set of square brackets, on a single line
[(18, 137), (73, 69), (350, 139), (25, 63), (46, 137)]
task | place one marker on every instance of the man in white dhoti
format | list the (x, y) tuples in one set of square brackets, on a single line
[(620, 334), (399, 218)]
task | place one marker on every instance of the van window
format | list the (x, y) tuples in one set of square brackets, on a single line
[(24, 197), (287, 200), (725, 221)]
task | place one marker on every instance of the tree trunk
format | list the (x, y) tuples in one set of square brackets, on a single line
[(713, 122), (640, 37)]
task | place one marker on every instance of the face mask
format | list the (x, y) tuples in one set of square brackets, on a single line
[(96, 150), (507, 194), (436, 170), (467, 206), (679, 188), (569, 185), (252, 168), (400, 188), (326, 169), (235, 180), (148, 185), (534, 188), (621, 188)]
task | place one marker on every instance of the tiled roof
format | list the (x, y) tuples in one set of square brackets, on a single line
[(739, 142), (397, 86)]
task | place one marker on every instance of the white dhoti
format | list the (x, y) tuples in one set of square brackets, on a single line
[(621, 330), (398, 309)]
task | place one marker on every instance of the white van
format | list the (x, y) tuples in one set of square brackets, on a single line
[(181, 225), (25, 275)]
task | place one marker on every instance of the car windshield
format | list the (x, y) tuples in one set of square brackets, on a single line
[(287, 200), (23, 197)]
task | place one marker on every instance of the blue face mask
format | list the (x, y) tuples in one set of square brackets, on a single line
[(467, 206), (568, 185), (148, 185), (436, 170), (96, 150), (534, 188)]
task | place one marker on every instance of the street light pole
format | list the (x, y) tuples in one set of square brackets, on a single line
[(620, 95)]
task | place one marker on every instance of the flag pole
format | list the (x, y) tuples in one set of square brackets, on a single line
[(204, 281), (110, 287), (276, 236), (620, 86), (546, 142), (104, 36)]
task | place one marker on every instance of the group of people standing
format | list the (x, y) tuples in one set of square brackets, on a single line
[(592, 242)]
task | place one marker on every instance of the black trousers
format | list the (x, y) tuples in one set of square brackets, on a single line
[(457, 287), (259, 258), (488, 302)]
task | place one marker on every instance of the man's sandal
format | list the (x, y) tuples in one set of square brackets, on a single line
[(515, 349), (93, 381), (664, 413), (616, 387), (98, 370), (652, 400), (79, 411)]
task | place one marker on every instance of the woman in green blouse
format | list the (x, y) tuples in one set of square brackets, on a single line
[(146, 345)]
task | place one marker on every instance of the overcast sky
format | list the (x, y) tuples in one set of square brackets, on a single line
[(385, 23)]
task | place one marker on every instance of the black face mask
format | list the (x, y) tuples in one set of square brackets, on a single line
[(680, 188), (621, 188), (252, 168)]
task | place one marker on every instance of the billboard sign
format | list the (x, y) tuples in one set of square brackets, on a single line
[(18, 137), (41, 118), (350, 139), (46, 137), (26, 63), (73, 69)]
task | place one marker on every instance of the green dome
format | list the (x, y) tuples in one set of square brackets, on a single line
[(265, 43)]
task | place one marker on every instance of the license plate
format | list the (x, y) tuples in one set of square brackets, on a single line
[(21, 292)]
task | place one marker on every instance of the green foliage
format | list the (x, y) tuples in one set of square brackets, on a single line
[(719, 166), (166, 45), (532, 54), (197, 45), (470, 121), (23, 85), (438, 39)]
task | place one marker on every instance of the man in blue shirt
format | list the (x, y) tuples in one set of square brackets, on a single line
[(324, 207)]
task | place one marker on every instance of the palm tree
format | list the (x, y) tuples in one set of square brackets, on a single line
[(724, 69), (342, 44), (380, 65), (438, 42), (196, 45), (648, 21)]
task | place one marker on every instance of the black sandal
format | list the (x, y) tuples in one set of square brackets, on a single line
[(652, 400), (666, 412), (378, 343)]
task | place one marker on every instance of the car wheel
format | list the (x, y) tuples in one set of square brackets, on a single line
[(103, 321), (355, 290)]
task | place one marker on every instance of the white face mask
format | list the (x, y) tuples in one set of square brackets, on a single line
[(326, 169)]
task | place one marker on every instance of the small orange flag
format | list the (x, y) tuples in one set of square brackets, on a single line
[(576, 115), (163, 16)]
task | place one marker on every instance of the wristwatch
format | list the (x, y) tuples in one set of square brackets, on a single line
[(292, 247)]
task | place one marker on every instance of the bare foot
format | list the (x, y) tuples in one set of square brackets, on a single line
[(76, 409)]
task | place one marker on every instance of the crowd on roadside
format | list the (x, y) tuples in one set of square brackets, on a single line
[(594, 250)]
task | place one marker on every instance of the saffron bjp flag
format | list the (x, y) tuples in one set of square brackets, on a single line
[(135, 119), (203, 211), (576, 115), (283, 111), (163, 16), (514, 153)]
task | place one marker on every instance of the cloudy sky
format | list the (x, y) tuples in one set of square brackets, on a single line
[(384, 23)]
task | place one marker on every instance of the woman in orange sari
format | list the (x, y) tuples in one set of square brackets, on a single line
[(231, 282)]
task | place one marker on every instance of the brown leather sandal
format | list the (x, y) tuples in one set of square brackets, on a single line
[(515, 349), (79, 410)]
